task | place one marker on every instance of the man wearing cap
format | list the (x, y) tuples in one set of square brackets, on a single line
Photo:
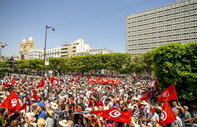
[(153, 118), (177, 122), (136, 112), (21, 98), (187, 116)]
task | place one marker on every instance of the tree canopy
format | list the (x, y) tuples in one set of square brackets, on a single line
[(176, 63)]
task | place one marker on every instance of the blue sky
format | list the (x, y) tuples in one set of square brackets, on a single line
[(24, 18)]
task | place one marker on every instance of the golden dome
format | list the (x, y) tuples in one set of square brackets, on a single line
[(23, 41), (30, 39)]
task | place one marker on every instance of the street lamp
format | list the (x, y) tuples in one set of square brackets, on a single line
[(2, 45), (45, 49), (10, 63)]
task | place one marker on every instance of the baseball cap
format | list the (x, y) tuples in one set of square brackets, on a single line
[(152, 110)]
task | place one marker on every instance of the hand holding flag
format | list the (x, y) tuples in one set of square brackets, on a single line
[(11, 103), (167, 115)]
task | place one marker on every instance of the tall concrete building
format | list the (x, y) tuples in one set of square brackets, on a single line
[(71, 49), (168, 24)]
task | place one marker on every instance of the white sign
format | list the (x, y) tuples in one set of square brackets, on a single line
[(46, 61)]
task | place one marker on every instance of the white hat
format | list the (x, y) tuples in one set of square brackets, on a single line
[(135, 105), (135, 98), (144, 103), (54, 105), (63, 123)]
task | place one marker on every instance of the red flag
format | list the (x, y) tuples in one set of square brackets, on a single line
[(4, 84), (78, 77), (32, 82), (145, 97), (59, 87), (117, 81), (97, 78), (74, 79), (13, 82), (11, 103), (167, 115), (155, 87), (41, 84), (54, 81), (35, 96), (116, 115), (90, 79), (23, 107), (168, 94)]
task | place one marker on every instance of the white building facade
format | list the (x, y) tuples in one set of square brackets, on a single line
[(71, 49), (39, 53), (168, 24), (96, 51), (53, 52), (35, 54)]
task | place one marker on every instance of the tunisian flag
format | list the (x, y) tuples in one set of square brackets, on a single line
[(168, 94), (41, 84), (12, 82), (114, 114), (90, 79), (35, 96), (11, 103), (54, 81), (167, 115), (155, 87), (145, 97)]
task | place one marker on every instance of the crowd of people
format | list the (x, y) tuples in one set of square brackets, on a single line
[(68, 102)]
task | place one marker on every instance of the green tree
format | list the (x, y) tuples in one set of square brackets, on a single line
[(177, 64)]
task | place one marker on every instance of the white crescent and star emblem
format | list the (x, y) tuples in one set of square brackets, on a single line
[(166, 94), (114, 113), (54, 82), (14, 102), (163, 115)]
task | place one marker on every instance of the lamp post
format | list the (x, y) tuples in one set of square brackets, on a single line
[(2, 45), (10, 63), (45, 50), (58, 69), (45, 47)]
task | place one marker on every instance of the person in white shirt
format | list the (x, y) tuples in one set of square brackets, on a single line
[(106, 106), (153, 117)]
